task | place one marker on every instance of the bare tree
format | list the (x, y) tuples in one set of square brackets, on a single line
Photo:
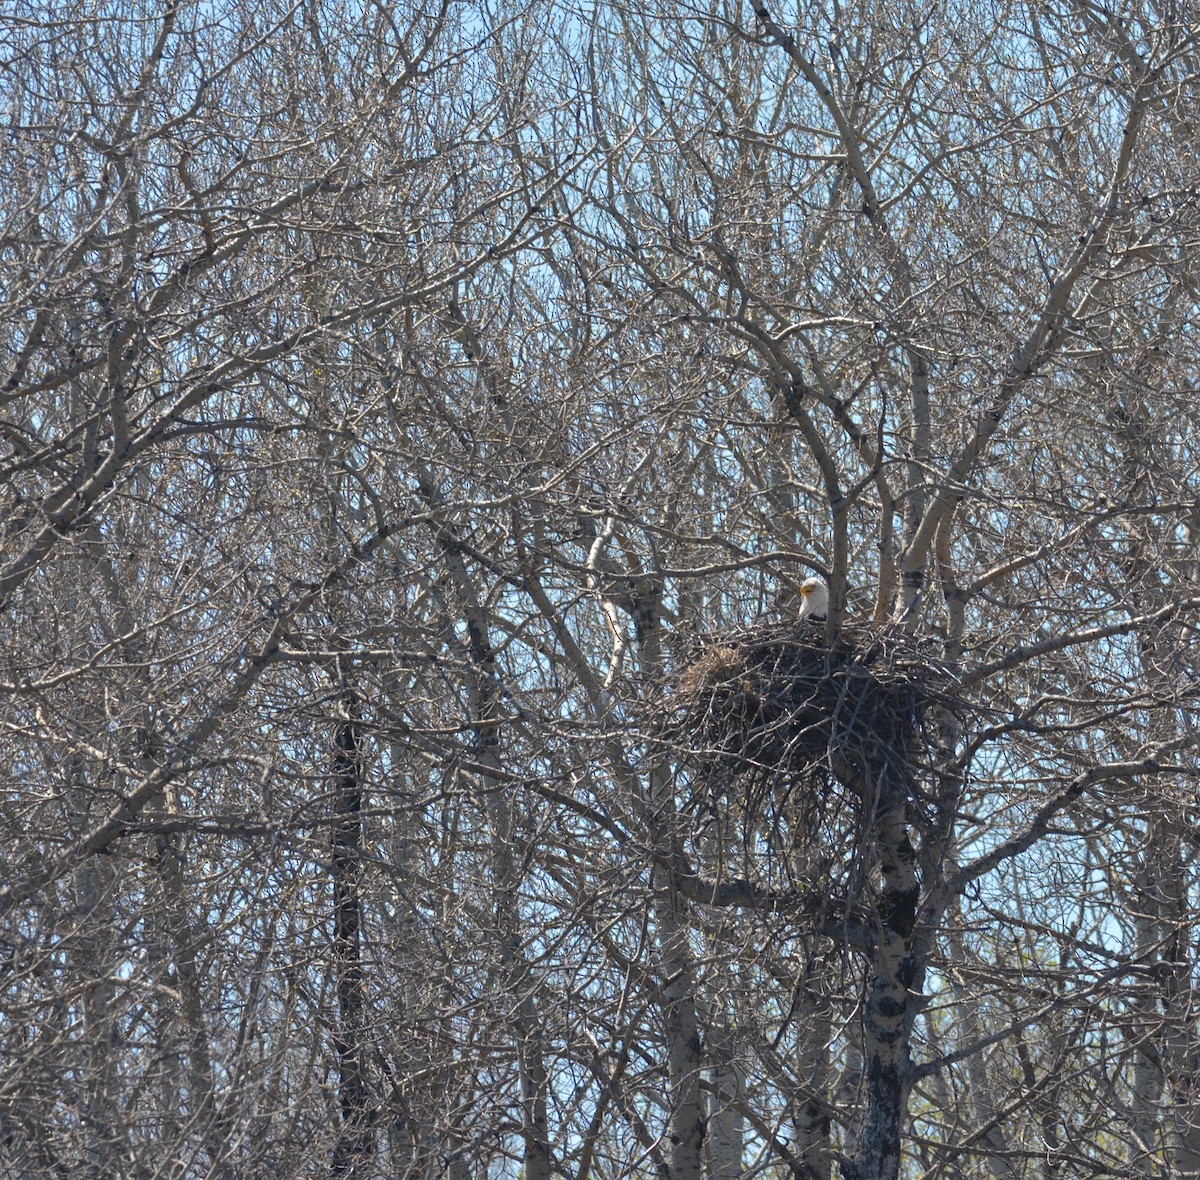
[(412, 412)]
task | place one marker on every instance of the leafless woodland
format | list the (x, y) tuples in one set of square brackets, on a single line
[(398, 400)]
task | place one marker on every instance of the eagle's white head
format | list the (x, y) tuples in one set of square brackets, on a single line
[(814, 599)]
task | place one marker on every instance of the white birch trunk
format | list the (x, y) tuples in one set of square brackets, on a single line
[(726, 1124)]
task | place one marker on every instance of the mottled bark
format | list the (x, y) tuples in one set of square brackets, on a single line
[(685, 1054), (726, 1123), (893, 999), (685, 1057), (811, 1111), (354, 1146)]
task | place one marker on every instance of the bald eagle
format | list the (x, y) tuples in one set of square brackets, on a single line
[(814, 599)]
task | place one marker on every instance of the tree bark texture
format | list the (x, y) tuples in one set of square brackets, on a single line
[(354, 1146)]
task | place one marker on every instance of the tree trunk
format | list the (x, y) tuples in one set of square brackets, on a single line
[(355, 1142), (506, 871), (94, 883), (892, 997), (726, 1124)]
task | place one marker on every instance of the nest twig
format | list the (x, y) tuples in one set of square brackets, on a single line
[(772, 710)]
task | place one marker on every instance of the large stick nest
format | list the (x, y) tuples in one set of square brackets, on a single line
[(776, 701)]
